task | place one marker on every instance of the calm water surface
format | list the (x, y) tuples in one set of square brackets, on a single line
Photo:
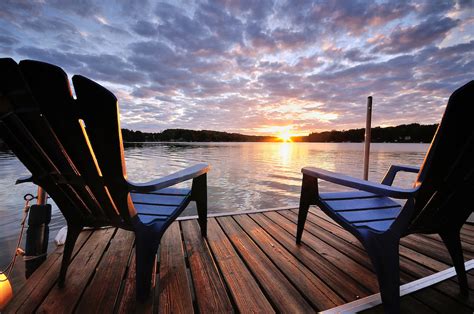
[(243, 176)]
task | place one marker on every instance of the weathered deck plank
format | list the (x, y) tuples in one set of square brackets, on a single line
[(347, 274), (248, 263), (245, 291), (43, 279), (173, 279), (82, 267), (415, 265), (102, 292), (209, 287), (349, 289), (303, 279), (127, 300), (281, 292)]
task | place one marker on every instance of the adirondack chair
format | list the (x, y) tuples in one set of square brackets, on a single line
[(73, 149), (440, 200)]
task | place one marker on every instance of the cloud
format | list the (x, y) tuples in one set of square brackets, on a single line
[(357, 55), (251, 10), (221, 23), (84, 8), (246, 66), (18, 11), (135, 9), (43, 25), (429, 8), (145, 28), (353, 16), (6, 40), (156, 49), (103, 67), (406, 39)]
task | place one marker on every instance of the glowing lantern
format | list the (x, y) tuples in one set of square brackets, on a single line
[(6, 291)]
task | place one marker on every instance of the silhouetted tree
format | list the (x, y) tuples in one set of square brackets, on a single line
[(406, 133)]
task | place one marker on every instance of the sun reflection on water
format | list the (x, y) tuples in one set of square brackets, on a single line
[(285, 149)]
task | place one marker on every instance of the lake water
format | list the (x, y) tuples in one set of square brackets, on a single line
[(243, 176)]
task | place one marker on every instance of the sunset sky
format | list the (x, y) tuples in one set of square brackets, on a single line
[(254, 67)]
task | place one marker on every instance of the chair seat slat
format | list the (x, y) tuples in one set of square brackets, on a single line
[(371, 214), (156, 199), (145, 209), (365, 203), (172, 191), (376, 225), (329, 196), (149, 219)]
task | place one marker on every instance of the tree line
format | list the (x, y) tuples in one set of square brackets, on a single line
[(406, 133), (184, 135)]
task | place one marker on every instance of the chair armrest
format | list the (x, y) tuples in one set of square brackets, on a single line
[(394, 169), (359, 184), (170, 180), (24, 179)]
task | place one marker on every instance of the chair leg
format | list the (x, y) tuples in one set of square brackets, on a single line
[(384, 256), (199, 194), (302, 214), (73, 232), (146, 247), (452, 240), (202, 216), (309, 190)]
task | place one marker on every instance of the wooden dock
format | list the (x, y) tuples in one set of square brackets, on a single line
[(249, 263)]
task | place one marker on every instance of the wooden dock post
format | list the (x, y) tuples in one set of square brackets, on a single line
[(37, 235), (368, 137)]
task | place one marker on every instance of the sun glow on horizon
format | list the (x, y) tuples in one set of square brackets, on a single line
[(285, 134)]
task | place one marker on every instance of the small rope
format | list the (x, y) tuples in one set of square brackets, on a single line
[(18, 251), (27, 258)]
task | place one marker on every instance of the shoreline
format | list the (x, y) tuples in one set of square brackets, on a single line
[(273, 142)]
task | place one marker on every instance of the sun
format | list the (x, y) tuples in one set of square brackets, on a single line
[(285, 135)]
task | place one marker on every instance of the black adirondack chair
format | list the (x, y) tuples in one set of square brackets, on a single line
[(439, 202), (73, 149)]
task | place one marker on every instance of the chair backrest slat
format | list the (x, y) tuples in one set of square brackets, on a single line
[(15, 94), (30, 136), (50, 88), (24, 146), (441, 201), (100, 112)]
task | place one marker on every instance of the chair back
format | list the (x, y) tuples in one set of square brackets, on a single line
[(446, 178), (72, 147)]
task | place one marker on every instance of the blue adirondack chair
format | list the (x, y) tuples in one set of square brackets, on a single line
[(73, 149), (440, 200)]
